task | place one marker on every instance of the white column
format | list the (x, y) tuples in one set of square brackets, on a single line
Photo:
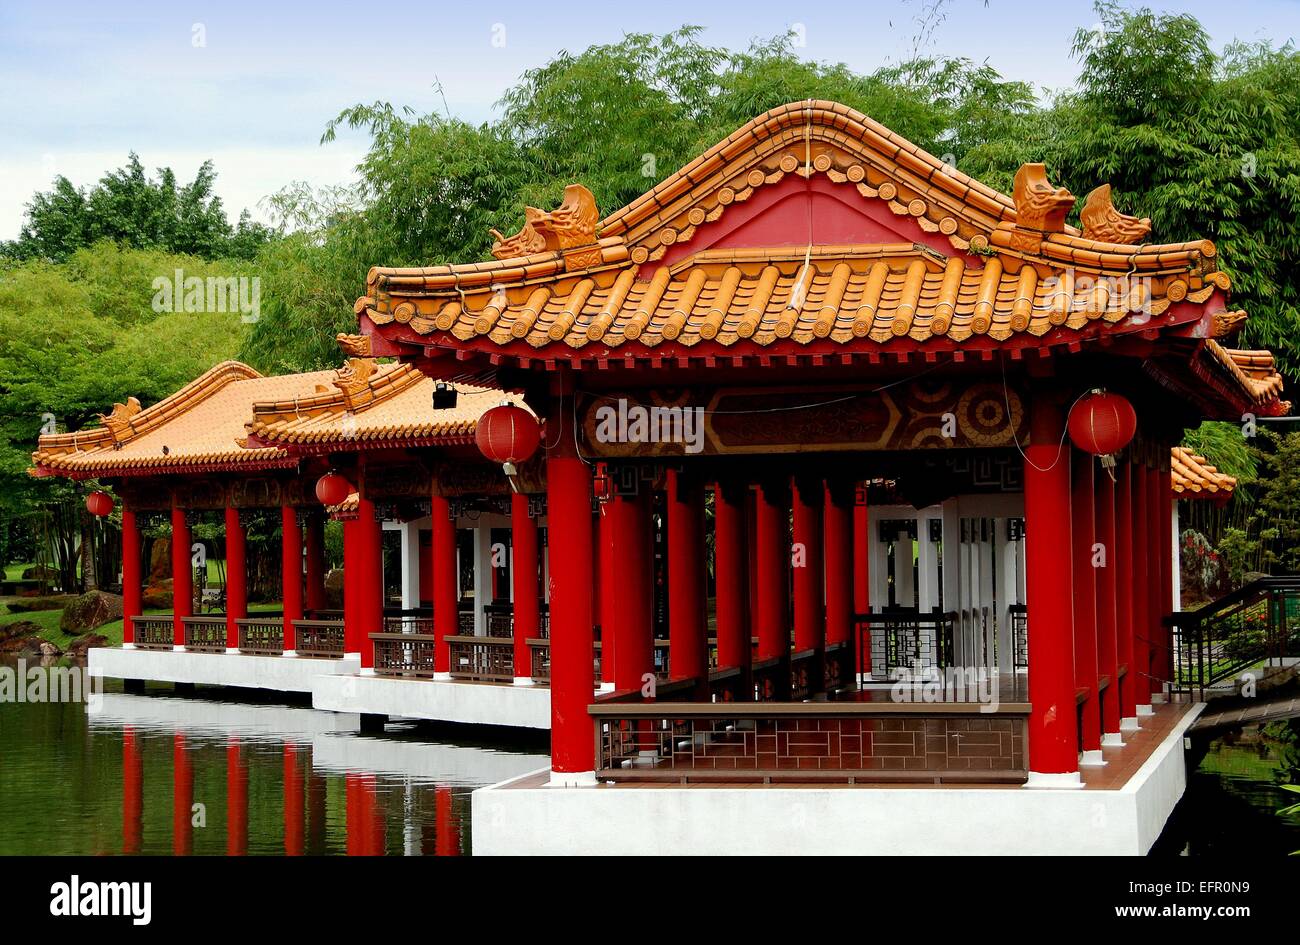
[(1176, 590), (1010, 578), (410, 565), (952, 569), (482, 575), (878, 559)]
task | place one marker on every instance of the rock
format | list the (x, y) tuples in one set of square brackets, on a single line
[(79, 646), (157, 596), (27, 605), (160, 559), (49, 649), (334, 589), (39, 572), (90, 610), (19, 628), (22, 637)]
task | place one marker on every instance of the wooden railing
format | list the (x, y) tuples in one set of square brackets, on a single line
[(670, 741), (499, 619), (465, 622), (403, 654), (261, 636), (541, 659), (409, 623), (485, 658), (1019, 636), (322, 639), (906, 639), (154, 633), (205, 634)]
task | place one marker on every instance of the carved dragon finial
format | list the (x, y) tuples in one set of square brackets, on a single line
[(1101, 221), (1225, 324), (354, 377), (1039, 205), (572, 224), (118, 420), (358, 346)]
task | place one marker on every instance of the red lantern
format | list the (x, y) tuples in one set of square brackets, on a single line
[(507, 434), (332, 489), (1102, 423), (99, 503)]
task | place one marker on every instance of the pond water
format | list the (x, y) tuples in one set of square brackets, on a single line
[(217, 773)]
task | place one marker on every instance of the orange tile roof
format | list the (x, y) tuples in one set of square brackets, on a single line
[(1193, 477)]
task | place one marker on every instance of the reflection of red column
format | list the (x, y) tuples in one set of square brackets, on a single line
[(236, 575), (1140, 668), (523, 573), (132, 792), (354, 639), (1083, 525), (182, 574), (365, 822), (731, 571), (316, 813), (315, 541), (806, 560), (687, 636), (447, 842), (610, 592), (1123, 565), (293, 802), (354, 800), (291, 570), (771, 571), (131, 590), (370, 609), (862, 572), (445, 596), (633, 623), (1053, 747), (182, 799), (1107, 644), (236, 800), (838, 535)]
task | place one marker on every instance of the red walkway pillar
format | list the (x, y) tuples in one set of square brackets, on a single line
[(1123, 565), (290, 570), (1139, 670), (632, 621), (236, 574), (446, 596), (182, 574), (523, 574), (568, 502), (687, 607), (1107, 620), (182, 798), (862, 571), (315, 542), (806, 561), (838, 535), (731, 575), (610, 591), (1083, 529), (771, 571), (1162, 506), (1053, 748), (132, 792), (293, 801), (370, 578), (236, 800), (132, 593), (354, 640)]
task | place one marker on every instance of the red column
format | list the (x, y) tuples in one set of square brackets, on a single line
[(315, 541), (838, 535), (771, 571), (182, 799), (132, 792), (1083, 528), (293, 802), (290, 570), (1139, 670), (236, 800), (1107, 616), (446, 599), (1053, 747), (370, 583), (1158, 575), (1170, 601), (632, 620), (862, 571), (354, 640), (568, 502), (236, 574), (182, 574), (731, 573), (523, 573), (687, 607), (131, 591), (610, 591), (1123, 565), (806, 560)]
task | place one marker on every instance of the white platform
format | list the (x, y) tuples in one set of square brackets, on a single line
[(820, 821), (425, 761), (279, 673), (468, 703), (217, 719)]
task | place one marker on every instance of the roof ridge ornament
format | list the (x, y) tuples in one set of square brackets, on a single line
[(357, 346), (1039, 205), (118, 421), (353, 379), (572, 225), (1101, 221)]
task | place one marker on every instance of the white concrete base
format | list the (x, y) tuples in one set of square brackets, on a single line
[(572, 779), (1092, 759), (605, 687), (468, 703), (1054, 780), (217, 719), (1158, 698), (1145, 710), (1129, 724), (834, 820), (1112, 740), (524, 681), (277, 673)]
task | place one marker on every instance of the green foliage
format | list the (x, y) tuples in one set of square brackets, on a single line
[(1224, 446)]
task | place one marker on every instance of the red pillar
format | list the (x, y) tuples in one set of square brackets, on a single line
[(315, 542), (1158, 574), (182, 574), (1124, 590), (236, 574), (1083, 529), (290, 570), (806, 560), (293, 802), (568, 501), (632, 620), (1053, 748), (771, 571), (132, 592), (1107, 609), (370, 583), (1171, 600), (182, 799), (1139, 670), (446, 600), (862, 571), (523, 573), (132, 792), (687, 606), (610, 591), (354, 640), (838, 535), (731, 575), (236, 800)]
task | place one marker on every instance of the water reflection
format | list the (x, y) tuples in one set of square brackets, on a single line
[(160, 773)]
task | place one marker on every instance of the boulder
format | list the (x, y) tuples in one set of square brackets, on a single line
[(334, 589), (40, 572), (90, 610), (20, 637), (49, 650), (160, 559), (77, 649), (27, 605), (19, 628), (157, 596)]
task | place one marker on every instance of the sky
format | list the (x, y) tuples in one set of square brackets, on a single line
[(252, 85)]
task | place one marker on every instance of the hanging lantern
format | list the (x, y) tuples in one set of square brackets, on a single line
[(1102, 423), (507, 434), (332, 489), (99, 503)]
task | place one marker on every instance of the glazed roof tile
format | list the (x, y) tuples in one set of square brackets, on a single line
[(1193, 477)]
